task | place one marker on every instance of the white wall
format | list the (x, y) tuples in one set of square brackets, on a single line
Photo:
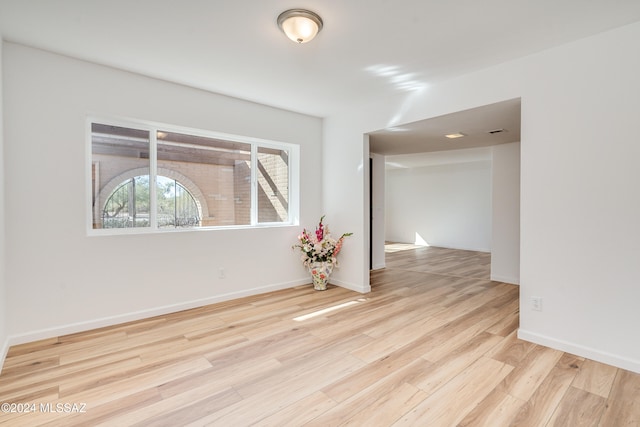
[(447, 205), (579, 198), (378, 212), (4, 342), (580, 232), (505, 240), (59, 280), (345, 181)]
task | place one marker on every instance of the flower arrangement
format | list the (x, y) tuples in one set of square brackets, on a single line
[(319, 246)]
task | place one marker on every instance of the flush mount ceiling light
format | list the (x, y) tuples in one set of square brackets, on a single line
[(300, 25), (455, 135)]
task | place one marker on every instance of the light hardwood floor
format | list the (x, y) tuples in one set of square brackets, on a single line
[(433, 344)]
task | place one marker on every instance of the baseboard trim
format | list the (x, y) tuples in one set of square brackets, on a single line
[(506, 279), (352, 287), (142, 314), (579, 350), (3, 353)]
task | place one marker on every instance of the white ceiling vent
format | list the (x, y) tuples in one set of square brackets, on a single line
[(496, 131)]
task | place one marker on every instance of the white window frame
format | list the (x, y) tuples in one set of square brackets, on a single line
[(152, 127)]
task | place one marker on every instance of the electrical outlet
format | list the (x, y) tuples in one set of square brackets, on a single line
[(536, 303), (221, 273)]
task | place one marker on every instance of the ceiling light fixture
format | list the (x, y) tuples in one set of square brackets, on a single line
[(300, 25), (455, 135)]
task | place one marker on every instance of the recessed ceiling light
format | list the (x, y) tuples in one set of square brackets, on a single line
[(455, 135)]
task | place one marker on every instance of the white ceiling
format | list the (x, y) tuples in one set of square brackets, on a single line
[(368, 49), (483, 126)]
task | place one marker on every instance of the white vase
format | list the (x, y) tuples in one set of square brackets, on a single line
[(320, 272)]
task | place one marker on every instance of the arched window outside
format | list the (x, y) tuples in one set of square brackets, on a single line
[(176, 205), (128, 205)]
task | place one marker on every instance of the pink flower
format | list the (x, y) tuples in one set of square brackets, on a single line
[(320, 231), (338, 247), (319, 246)]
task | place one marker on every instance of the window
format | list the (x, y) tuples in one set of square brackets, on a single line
[(176, 205), (128, 205), (156, 177)]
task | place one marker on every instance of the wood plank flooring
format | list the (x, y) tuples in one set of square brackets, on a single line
[(433, 344)]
